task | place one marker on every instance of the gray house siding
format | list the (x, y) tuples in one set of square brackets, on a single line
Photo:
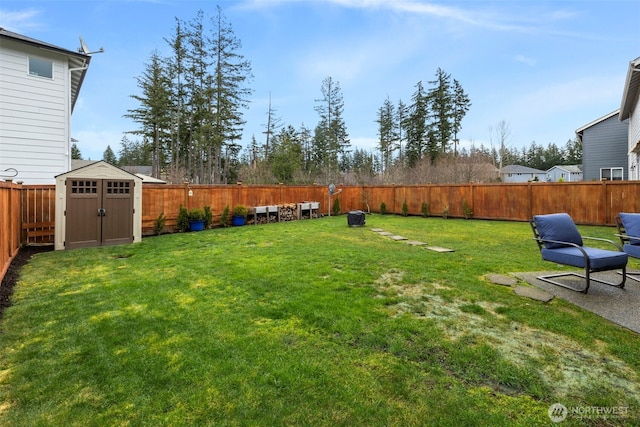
[(604, 145)]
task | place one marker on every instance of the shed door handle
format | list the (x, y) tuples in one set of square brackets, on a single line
[(102, 212)]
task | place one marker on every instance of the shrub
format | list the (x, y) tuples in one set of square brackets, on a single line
[(208, 217), (466, 209), (383, 208), (240, 210), (336, 207), (224, 218), (196, 214), (159, 223), (405, 208), (445, 212), (182, 222), (424, 209)]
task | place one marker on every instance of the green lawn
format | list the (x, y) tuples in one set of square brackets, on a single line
[(307, 323)]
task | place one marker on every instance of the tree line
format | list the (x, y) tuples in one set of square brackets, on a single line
[(189, 121)]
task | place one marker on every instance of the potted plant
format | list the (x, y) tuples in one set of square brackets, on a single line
[(239, 214), (196, 219)]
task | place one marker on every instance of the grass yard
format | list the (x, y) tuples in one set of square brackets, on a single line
[(307, 323)]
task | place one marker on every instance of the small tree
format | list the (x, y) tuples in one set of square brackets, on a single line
[(424, 209), (383, 208), (182, 222), (208, 217), (159, 223), (405, 208), (224, 218), (467, 211), (336, 207)]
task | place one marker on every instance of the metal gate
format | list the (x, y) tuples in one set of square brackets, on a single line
[(99, 212)]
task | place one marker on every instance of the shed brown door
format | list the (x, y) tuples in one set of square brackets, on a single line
[(99, 212), (117, 219)]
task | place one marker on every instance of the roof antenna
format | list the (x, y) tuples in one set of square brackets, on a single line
[(85, 50)]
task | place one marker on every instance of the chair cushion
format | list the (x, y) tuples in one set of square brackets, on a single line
[(601, 259), (632, 250), (631, 223), (557, 227)]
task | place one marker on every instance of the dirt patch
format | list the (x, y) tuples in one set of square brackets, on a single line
[(565, 365), (13, 273)]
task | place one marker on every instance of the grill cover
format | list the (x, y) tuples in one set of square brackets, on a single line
[(355, 219)]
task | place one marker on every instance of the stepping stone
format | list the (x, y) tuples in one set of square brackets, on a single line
[(533, 293), (377, 230), (385, 233), (500, 279), (397, 238), (439, 249), (414, 243)]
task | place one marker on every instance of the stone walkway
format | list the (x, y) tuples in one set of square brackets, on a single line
[(398, 238)]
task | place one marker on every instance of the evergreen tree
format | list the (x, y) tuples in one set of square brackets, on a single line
[(441, 113), (154, 112), (176, 70), (109, 156), (573, 151), (287, 157), (461, 105), (387, 132), (75, 152), (230, 78), (133, 153), (331, 133), (416, 127), (401, 118)]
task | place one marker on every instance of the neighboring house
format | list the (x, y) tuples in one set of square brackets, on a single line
[(604, 148), (564, 173), (630, 110), (39, 86), (517, 173)]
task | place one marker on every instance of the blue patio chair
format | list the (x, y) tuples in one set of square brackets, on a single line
[(629, 232), (560, 241)]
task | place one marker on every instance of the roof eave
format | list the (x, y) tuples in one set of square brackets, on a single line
[(631, 88), (77, 60), (596, 121)]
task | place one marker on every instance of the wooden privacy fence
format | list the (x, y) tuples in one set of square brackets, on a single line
[(10, 224), (27, 213)]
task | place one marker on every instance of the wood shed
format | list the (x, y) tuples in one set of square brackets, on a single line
[(97, 205)]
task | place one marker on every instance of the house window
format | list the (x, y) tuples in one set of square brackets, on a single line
[(40, 67), (611, 174)]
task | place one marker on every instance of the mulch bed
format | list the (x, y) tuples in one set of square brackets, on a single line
[(13, 273)]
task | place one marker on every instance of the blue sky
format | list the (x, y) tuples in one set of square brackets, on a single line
[(546, 68)]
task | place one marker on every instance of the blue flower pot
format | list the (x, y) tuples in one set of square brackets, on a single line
[(196, 225), (238, 220)]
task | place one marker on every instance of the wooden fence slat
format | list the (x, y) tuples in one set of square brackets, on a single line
[(27, 212)]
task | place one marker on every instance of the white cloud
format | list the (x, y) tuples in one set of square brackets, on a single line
[(525, 60), (20, 20)]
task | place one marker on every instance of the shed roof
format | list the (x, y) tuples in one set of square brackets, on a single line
[(100, 169), (76, 59), (631, 89)]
